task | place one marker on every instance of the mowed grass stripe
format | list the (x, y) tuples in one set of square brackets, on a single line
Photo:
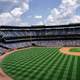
[(53, 68), (50, 67), (40, 61), (45, 66), (32, 60), (28, 66), (65, 75), (29, 54), (15, 67), (42, 64), (74, 71), (34, 74), (23, 60), (24, 70), (78, 68), (60, 68)]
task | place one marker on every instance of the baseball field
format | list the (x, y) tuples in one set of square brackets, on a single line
[(41, 63)]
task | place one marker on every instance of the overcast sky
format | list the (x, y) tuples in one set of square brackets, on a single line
[(39, 12)]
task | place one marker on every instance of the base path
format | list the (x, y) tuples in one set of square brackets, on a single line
[(4, 76), (65, 50)]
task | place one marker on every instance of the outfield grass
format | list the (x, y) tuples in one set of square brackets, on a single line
[(74, 50), (41, 64)]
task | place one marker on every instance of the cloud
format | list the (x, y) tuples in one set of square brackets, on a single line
[(9, 1), (75, 19), (38, 17), (64, 14), (23, 7), (14, 16), (39, 23), (5, 18)]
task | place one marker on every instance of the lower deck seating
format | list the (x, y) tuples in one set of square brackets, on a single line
[(1, 50), (58, 43), (17, 45), (52, 43)]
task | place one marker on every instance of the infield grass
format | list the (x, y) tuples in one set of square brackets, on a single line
[(75, 49)]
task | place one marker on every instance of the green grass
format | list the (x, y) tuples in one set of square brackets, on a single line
[(41, 64), (75, 50)]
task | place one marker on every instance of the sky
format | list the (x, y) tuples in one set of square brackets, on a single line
[(39, 12)]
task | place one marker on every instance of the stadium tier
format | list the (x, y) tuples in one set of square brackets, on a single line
[(56, 36)]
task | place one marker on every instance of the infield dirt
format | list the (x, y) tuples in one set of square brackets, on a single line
[(66, 51)]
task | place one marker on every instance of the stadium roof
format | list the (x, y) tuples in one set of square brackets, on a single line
[(76, 25)]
